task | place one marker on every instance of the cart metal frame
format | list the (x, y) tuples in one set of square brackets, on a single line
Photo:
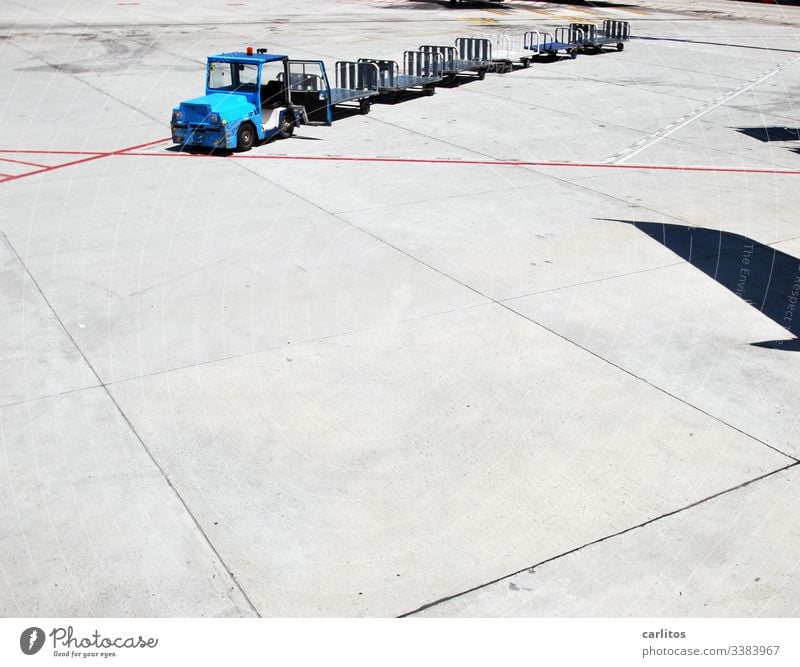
[(610, 33), (470, 54), (508, 49), (422, 70), (547, 44), (355, 82)]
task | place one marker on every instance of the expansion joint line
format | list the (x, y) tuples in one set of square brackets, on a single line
[(679, 124), (100, 383), (530, 568)]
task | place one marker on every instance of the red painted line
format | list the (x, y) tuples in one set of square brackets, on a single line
[(138, 146), (95, 156), (133, 151), (29, 164), (483, 163), (36, 152), (53, 168)]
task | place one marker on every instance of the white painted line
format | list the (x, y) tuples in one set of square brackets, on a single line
[(727, 98)]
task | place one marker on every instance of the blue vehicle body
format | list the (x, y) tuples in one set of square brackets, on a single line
[(239, 106)]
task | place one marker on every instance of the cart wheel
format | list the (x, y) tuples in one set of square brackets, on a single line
[(287, 125), (429, 90), (620, 46), (481, 74), (573, 53), (552, 55), (245, 137), (526, 63), (364, 105)]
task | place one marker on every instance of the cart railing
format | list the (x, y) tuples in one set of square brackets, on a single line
[(512, 43), (584, 33), (388, 71), (570, 35), (357, 75), (506, 44), (543, 42), (419, 64), (474, 49), (611, 31), (533, 40), (447, 53), (619, 30), (427, 64)]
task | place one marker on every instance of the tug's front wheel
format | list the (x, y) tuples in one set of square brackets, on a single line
[(245, 137)]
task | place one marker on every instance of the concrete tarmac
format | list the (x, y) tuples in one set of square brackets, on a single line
[(527, 347)]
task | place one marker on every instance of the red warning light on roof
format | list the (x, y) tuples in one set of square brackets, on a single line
[(249, 50)]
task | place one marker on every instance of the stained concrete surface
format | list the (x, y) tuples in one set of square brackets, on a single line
[(258, 385)]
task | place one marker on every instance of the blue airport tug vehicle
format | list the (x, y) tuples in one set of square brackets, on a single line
[(254, 97), (246, 101)]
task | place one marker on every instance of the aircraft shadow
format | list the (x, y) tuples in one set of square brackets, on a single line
[(765, 278), (775, 133)]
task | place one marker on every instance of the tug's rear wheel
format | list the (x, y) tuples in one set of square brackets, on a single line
[(287, 126)]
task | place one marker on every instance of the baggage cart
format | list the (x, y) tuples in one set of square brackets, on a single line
[(508, 49), (421, 70), (548, 45), (310, 89), (356, 82), (610, 33), (470, 54)]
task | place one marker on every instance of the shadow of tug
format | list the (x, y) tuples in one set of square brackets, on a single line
[(765, 278)]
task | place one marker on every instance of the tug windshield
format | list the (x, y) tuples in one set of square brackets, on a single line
[(236, 77)]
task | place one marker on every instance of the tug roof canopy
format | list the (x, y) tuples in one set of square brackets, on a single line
[(241, 56)]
